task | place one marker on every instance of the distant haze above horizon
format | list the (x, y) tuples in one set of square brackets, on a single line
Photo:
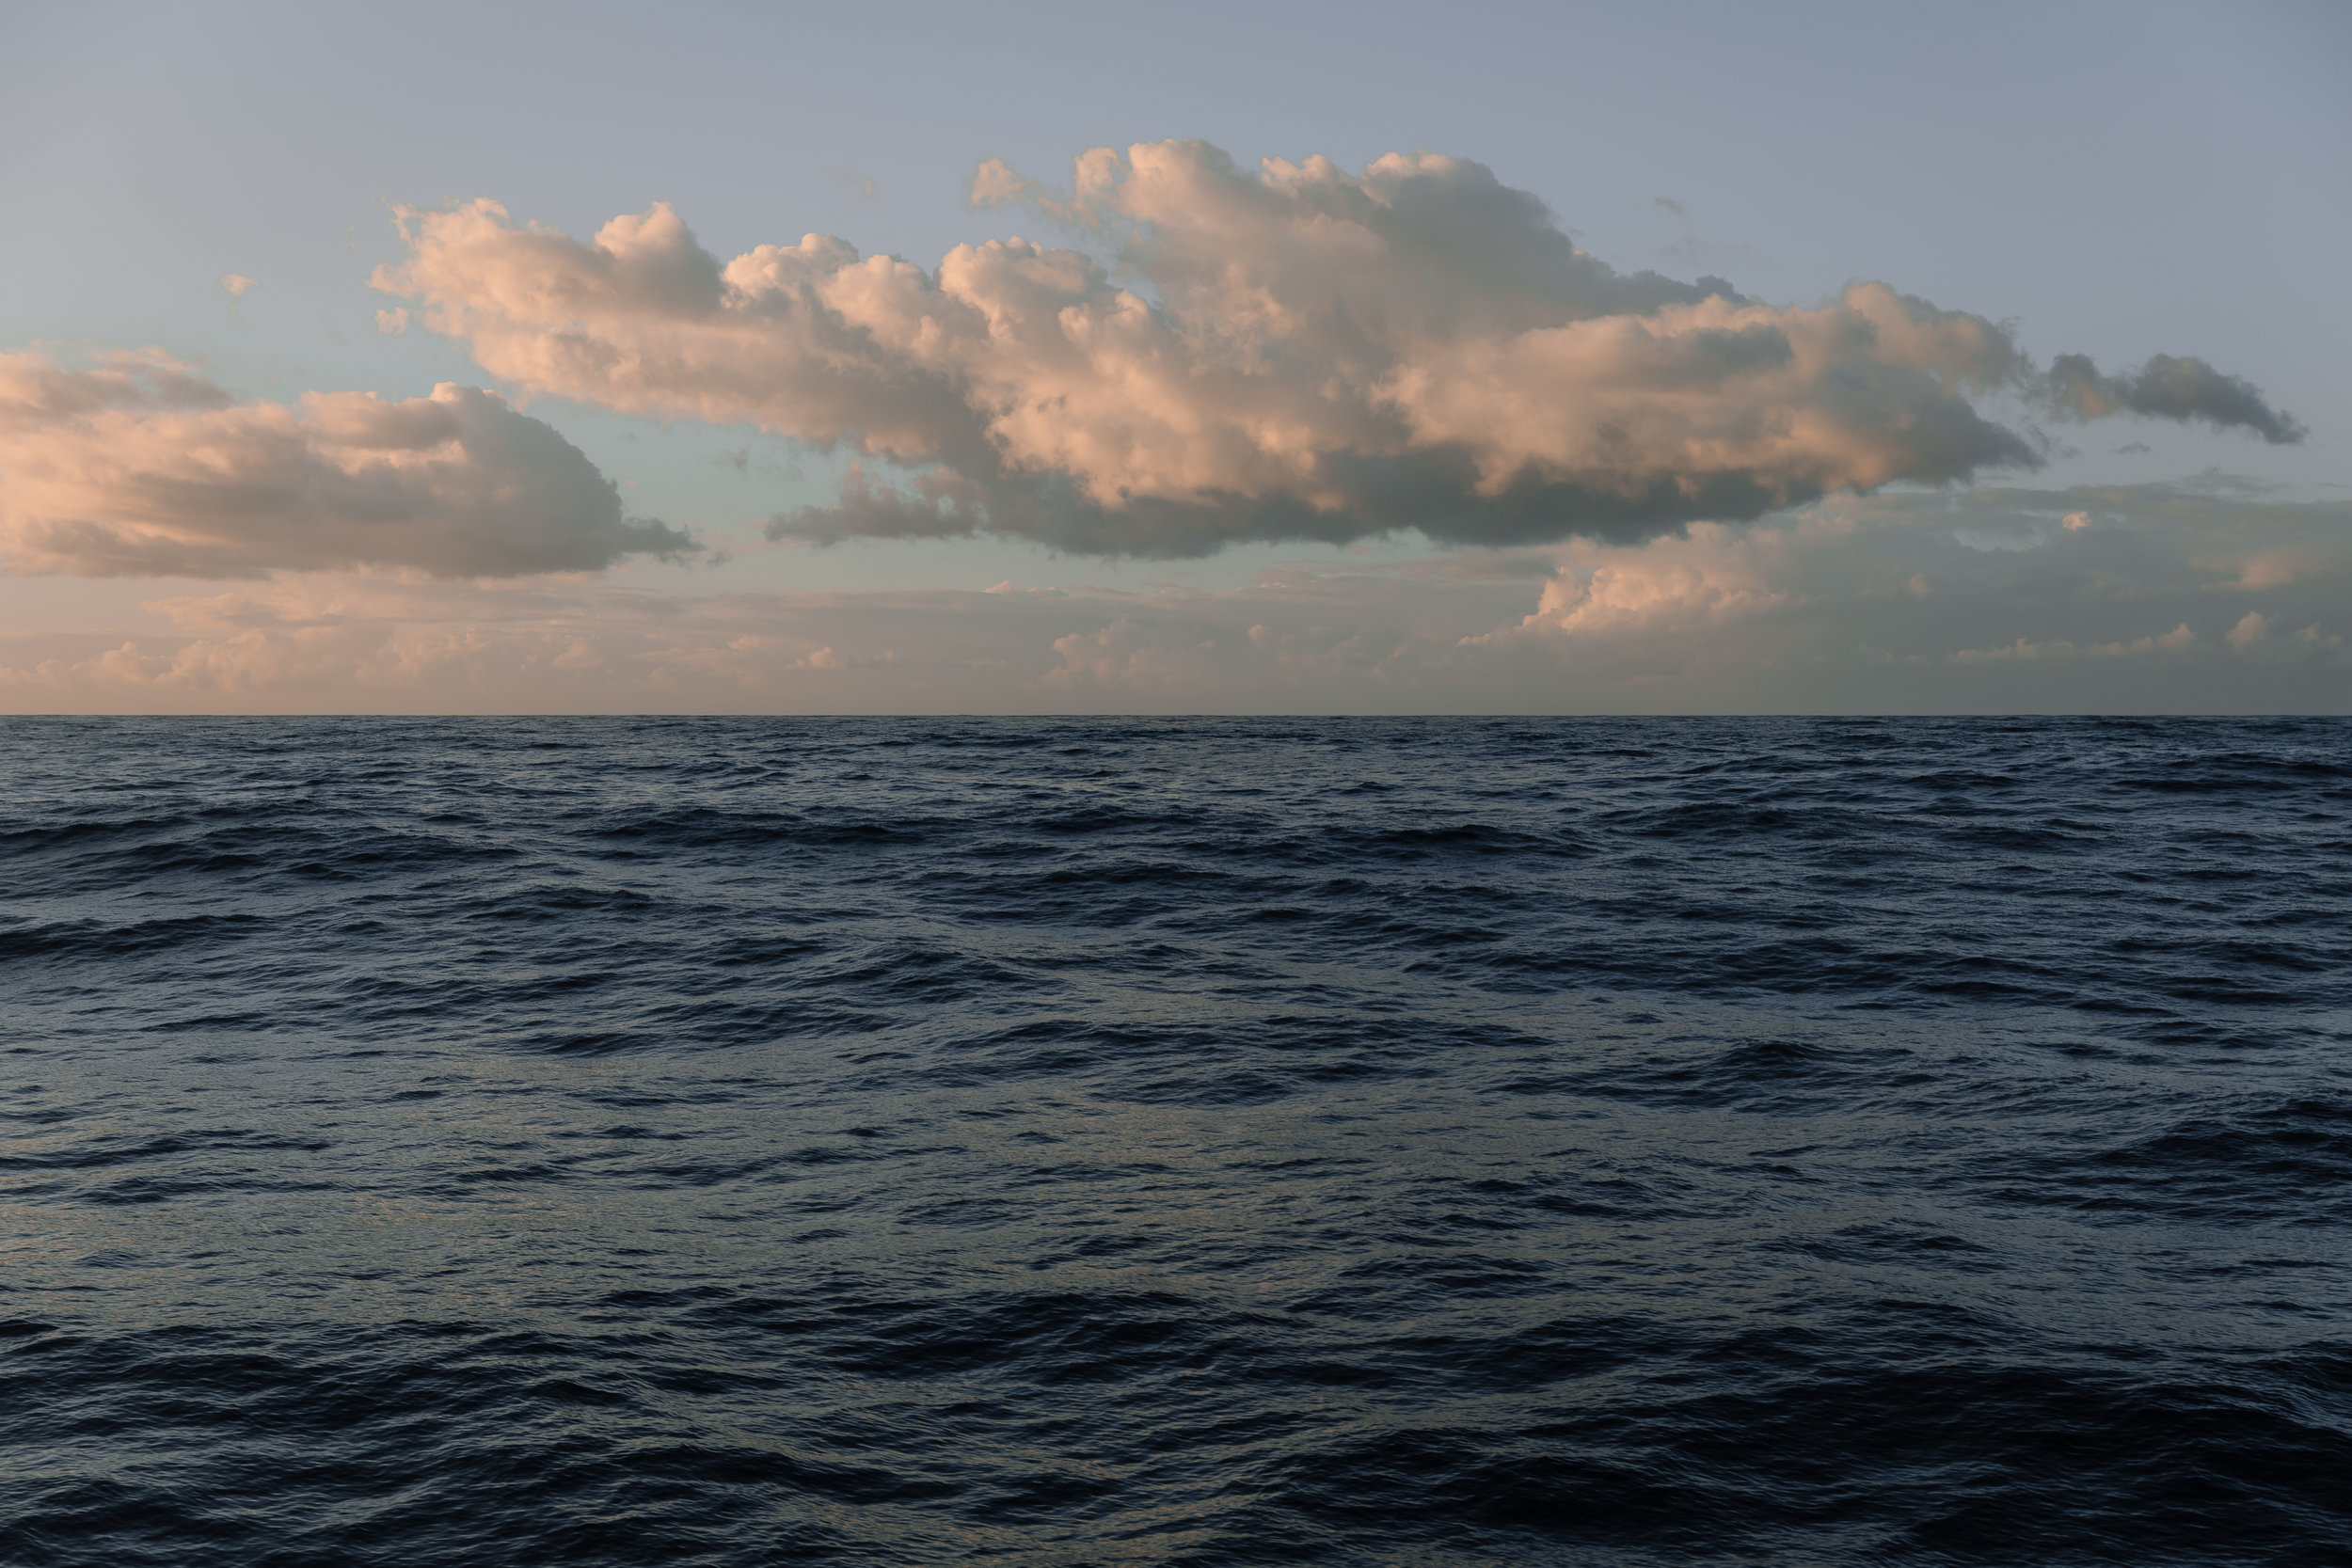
[(1504, 359)]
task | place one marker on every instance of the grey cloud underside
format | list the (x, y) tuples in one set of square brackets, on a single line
[(1425, 494), (1434, 490), (2169, 388), (1431, 490)]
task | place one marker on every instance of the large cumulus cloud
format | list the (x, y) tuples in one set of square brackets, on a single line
[(1288, 353), (140, 466)]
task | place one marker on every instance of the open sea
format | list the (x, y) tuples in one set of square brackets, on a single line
[(731, 1142)]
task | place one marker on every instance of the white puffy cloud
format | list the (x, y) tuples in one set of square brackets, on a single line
[(1293, 351), (140, 466)]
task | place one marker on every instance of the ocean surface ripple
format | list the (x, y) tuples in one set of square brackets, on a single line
[(1192, 1141)]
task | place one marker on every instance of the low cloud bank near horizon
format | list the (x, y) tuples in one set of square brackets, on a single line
[(1291, 352), (2207, 596), (140, 466)]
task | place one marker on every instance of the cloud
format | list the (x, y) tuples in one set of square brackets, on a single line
[(994, 182), (2113, 597), (378, 641), (236, 284), (847, 175), (2171, 389), (2253, 627), (2176, 641), (1879, 604), (1122, 656), (1291, 352), (1671, 588), (140, 466)]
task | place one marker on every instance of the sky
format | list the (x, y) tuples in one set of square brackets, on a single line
[(1664, 359)]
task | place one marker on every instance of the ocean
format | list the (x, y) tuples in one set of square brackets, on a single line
[(731, 1142)]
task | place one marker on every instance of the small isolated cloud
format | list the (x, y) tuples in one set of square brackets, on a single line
[(392, 322), (1291, 351), (140, 466), (236, 284), (2178, 639), (1122, 656), (2269, 569), (2170, 388), (1669, 204), (2021, 649), (996, 185), (1671, 588), (848, 176)]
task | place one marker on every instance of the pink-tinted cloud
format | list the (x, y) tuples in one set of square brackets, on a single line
[(140, 466), (1291, 351)]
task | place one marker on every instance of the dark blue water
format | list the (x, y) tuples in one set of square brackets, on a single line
[(1431, 1142)]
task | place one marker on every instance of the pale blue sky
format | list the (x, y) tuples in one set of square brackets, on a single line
[(2116, 179)]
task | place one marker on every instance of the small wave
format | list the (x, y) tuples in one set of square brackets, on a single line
[(893, 1141)]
